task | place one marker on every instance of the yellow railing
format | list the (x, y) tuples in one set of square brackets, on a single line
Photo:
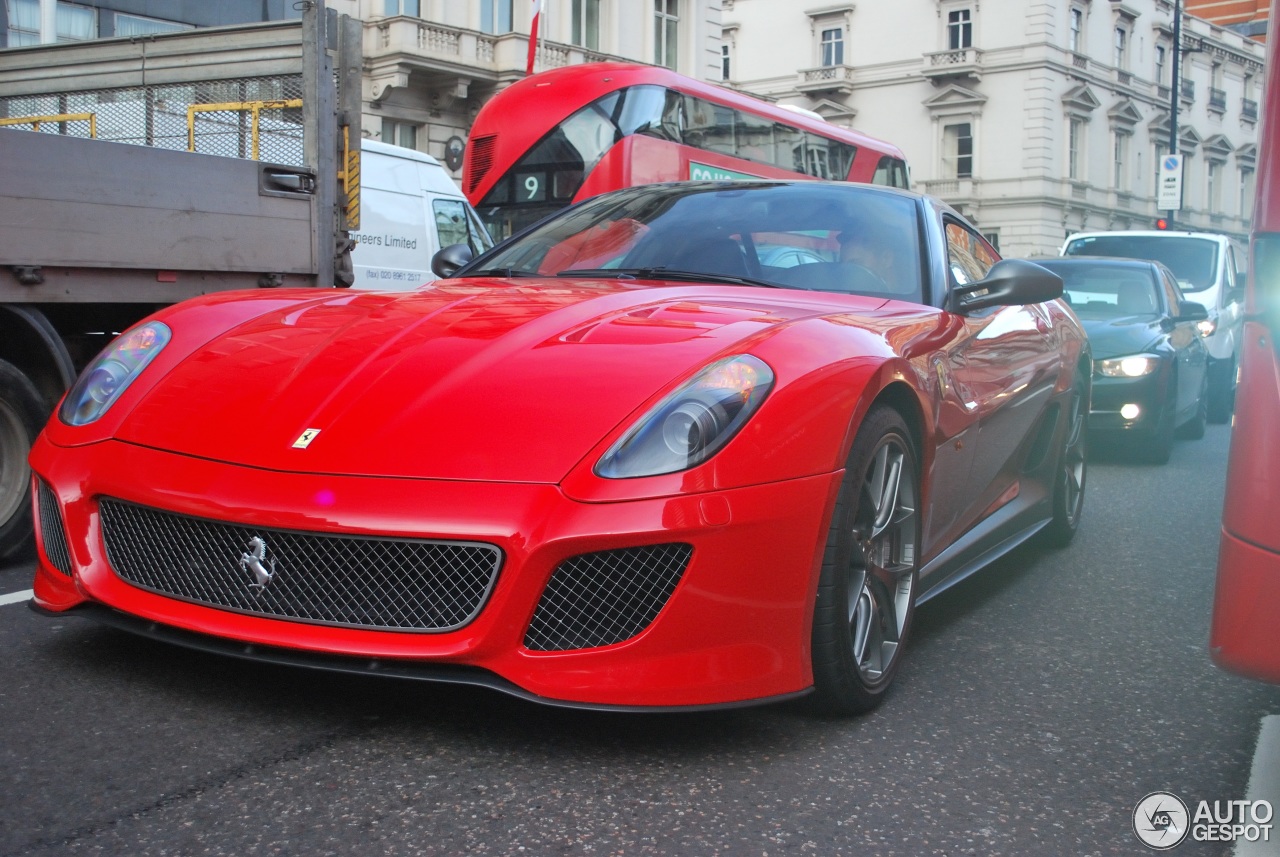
[(255, 108), (35, 121)]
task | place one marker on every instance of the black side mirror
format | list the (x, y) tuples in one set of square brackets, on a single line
[(447, 260), (1010, 282), (1192, 311)]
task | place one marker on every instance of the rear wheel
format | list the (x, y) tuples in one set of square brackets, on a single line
[(21, 415), (1068, 488), (867, 589)]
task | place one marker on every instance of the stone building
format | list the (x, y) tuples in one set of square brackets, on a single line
[(1036, 118)]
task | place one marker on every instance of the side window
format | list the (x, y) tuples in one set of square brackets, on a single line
[(1172, 291), (969, 256), (457, 224)]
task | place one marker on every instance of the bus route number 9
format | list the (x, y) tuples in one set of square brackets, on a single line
[(531, 187)]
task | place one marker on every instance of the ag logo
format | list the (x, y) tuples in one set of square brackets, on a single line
[(1161, 821)]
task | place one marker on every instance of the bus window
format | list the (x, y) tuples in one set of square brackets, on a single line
[(891, 172)]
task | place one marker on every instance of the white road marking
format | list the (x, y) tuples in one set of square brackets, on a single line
[(1264, 784), (16, 597)]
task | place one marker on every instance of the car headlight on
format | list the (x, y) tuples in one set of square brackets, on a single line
[(693, 423), (1207, 327), (1128, 367), (112, 372)]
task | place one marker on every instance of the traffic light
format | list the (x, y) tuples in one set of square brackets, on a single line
[(1162, 223)]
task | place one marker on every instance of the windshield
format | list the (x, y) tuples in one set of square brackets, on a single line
[(1107, 291), (1194, 261), (806, 235)]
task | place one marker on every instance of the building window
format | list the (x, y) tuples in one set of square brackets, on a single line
[(1118, 57), (401, 7), (1162, 61), (833, 46), (135, 25), (1246, 191), (666, 26), (24, 22), (959, 29), (1075, 148), (724, 62), (495, 16), (76, 23), (1075, 30), (957, 149), (400, 134), (1213, 187), (1120, 179), (586, 24)]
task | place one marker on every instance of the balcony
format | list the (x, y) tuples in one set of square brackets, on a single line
[(448, 58), (1248, 110), (1188, 90), (1217, 100), (946, 66), (834, 80)]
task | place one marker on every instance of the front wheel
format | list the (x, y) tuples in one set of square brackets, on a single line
[(1069, 478), (867, 589)]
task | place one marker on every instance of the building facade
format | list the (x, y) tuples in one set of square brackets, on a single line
[(1036, 118), (429, 65), (1247, 17)]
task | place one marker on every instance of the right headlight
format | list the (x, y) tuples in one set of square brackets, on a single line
[(693, 422), (112, 372), (1134, 366)]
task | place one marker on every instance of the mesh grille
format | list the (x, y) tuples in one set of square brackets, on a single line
[(481, 158), (51, 530), (365, 582), (598, 599), (157, 116)]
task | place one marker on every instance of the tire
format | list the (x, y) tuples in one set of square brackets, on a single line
[(22, 413), (867, 588), (1157, 447), (1071, 469), (1194, 428), (1222, 390)]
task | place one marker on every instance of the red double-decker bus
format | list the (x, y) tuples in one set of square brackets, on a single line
[(1243, 638), (564, 135)]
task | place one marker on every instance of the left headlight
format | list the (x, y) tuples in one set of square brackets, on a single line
[(112, 372), (693, 423), (1128, 367)]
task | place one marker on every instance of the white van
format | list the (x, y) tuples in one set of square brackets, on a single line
[(409, 208), (1210, 270)]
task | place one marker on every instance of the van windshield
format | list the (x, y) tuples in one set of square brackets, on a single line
[(1194, 261)]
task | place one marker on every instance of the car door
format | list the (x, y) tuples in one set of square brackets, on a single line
[(1004, 370)]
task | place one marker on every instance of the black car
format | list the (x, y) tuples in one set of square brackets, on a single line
[(1149, 357)]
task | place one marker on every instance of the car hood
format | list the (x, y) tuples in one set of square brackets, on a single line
[(465, 380), (1119, 337)]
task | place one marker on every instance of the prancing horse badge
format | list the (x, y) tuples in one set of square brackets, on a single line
[(304, 439)]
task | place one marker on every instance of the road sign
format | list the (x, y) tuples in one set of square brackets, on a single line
[(1169, 192)]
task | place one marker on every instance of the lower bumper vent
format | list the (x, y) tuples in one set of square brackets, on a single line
[(52, 533), (598, 599)]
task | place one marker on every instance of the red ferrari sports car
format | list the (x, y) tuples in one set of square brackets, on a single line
[(615, 462)]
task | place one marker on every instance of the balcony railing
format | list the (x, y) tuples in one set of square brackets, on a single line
[(1217, 99), (1188, 90), (960, 62), (1249, 109), (827, 78)]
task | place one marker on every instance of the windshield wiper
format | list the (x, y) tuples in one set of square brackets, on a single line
[(510, 273), (660, 272)]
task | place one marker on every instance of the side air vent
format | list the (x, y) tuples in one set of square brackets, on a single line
[(598, 599), (52, 532)]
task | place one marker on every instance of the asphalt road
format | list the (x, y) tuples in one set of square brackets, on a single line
[(1040, 701)]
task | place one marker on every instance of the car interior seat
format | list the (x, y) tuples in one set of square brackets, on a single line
[(1135, 297), (713, 256)]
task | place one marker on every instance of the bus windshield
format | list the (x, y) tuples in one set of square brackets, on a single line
[(1194, 261)]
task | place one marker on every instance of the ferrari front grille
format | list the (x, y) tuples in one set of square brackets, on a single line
[(598, 599), (353, 581), (52, 533)]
